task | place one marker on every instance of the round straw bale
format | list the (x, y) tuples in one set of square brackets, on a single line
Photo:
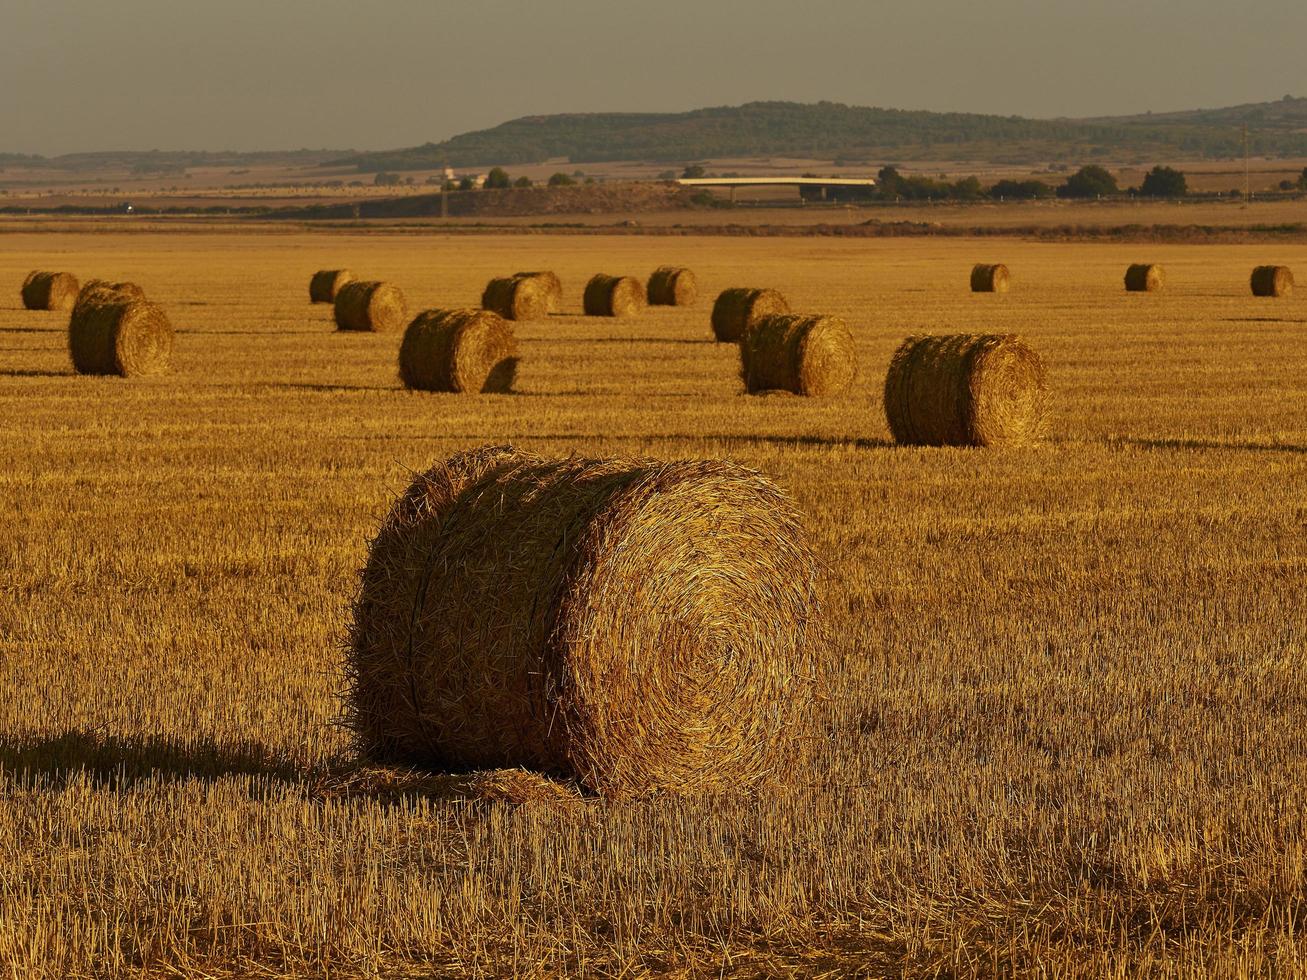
[(806, 355), (613, 296), (1143, 278), (49, 291), (990, 279), (634, 625), (517, 297), (966, 390), (553, 287), (114, 332), (672, 286), (1272, 280), (735, 309), (376, 306), (458, 350), (326, 283)]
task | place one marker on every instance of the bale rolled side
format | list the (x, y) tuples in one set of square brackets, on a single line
[(375, 306), (326, 283), (49, 291), (806, 355), (990, 278), (636, 625), (113, 332), (613, 296), (458, 350), (552, 285), (1272, 280), (672, 286), (516, 297), (966, 390), (735, 309), (1144, 278)]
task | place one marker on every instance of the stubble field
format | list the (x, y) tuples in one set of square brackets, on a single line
[(1064, 729)]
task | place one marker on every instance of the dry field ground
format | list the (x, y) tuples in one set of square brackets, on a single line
[(1065, 723)]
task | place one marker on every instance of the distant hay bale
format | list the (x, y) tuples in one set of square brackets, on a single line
[(990, 278), (806, 355), (114, 332), (49, 291), (614, 296), (1272, 280), (735, 309), (672, 286), (326, 283), (634, 625), (458, 350), (1143, 278), (376, 306), (517, 297), (100, 287), (553, 287), (966, 390)]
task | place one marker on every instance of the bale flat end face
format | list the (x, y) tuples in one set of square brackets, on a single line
[(637, 626), (1272, 281), (990, 278), (966, 390), (1144, 278)]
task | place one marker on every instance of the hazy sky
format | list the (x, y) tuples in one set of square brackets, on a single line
[(284, 74)]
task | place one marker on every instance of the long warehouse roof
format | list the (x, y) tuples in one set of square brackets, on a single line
[(777, 181)]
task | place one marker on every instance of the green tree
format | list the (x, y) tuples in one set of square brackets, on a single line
[(522, 182), (692, 172), (1020, 190), (561, 180), (1302, 179), (497, 179), (467, 184), (1091, 181), (384, 179), (1164, 182)]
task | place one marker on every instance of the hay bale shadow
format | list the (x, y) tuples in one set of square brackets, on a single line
[(120, 762)]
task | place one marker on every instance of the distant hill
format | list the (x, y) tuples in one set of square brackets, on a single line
[(831, 130)]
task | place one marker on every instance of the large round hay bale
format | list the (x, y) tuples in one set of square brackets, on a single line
[(553, 287), (114, 332), (1143, 278), (1272, 280), (376, 306), (966, 390), (613, 296), (990, 278), (806, 355), (672, 286), (517, 297), (49, 291), (458, 350), (635, 625), (735, 309), (326, 283)]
